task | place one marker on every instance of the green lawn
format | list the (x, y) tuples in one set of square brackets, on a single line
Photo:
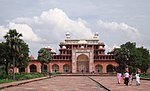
[(5, 81), (23, 76), (145, 75)]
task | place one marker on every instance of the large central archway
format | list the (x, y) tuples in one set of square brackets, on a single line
[(82, 64)]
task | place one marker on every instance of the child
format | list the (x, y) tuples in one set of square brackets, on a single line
[(130, 79), (137, 76)]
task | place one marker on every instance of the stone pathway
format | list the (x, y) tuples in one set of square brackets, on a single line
[(59, 83), (110, 82), (77, 83)]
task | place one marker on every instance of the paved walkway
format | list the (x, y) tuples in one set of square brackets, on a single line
[(60, 83), (110, 82), (77, 83), (16, 83)]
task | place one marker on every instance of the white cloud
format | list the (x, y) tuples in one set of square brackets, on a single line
[(26, 30), (59, 23), (54, 23), (111, 48), (50, 27), (3, 31), (120, 28), (23, 20), (28, 34)]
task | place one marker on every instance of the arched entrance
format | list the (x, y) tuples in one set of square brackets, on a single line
[(110, 68), (98, 68), (82, 64), (45, 68), (66, 68), (55, 68), (21, 69), (33, 68)]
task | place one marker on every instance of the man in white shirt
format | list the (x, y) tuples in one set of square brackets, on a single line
[(126, 76)]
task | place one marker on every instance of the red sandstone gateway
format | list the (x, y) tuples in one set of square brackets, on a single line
[(76, 56)]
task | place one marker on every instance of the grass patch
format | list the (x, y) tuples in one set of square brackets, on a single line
[(147, 75), (5, 80), (55, 73), (23, 76)]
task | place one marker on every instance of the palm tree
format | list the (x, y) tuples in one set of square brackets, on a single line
[(13, 41)]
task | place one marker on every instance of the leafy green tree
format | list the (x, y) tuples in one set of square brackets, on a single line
[(143, 59), (130, 56), (123, 54), (2, 52), (23, 56), (5, 56), (16, 48), (44, 56), (121, 58), (130, 51)]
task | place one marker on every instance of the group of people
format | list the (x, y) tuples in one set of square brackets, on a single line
[(128, 78)]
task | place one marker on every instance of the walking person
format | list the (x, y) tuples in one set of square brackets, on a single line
[(137, 78), (130, 79), (119, 77), (126, 78)]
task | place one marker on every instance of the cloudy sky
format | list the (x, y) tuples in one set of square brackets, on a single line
[(45, 22)]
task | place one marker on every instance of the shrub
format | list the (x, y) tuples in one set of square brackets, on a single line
[(23, 76), (147, 75), (3, 74)]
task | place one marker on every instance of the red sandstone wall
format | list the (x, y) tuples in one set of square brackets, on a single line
[(104, 64), (36, 63), (60, 64)]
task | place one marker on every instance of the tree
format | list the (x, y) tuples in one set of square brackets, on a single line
[(130, 56), (44, 56), (2, 52), (120, 59), (14, 44), (2, 61), (143, 59), (23, 56), (130, 51), (5, 56)]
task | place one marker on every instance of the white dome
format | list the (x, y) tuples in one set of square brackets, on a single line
[(45, 47), (67, 35), (82, 42), (53, 51), (101, 47), (96, 35), (48, 46), (63, 47), (82, 46)]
